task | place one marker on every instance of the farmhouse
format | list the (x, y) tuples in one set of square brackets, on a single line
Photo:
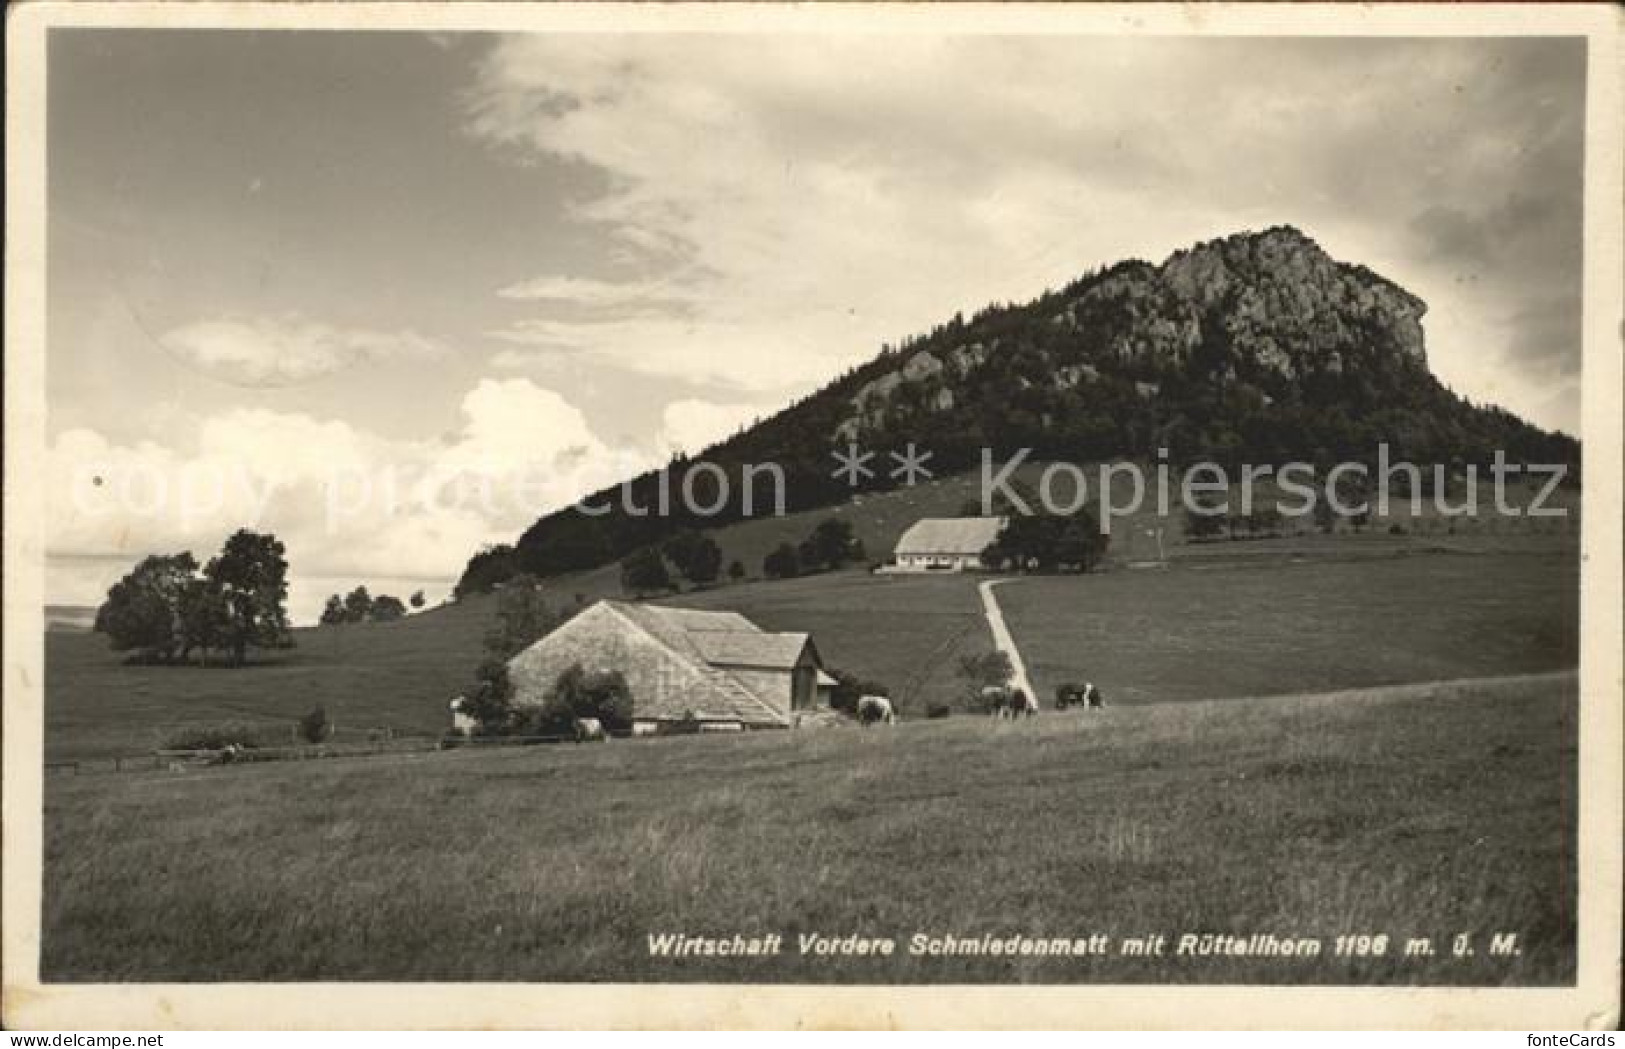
[(716, 668), (946, 544)]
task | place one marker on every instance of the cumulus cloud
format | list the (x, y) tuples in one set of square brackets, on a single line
[(275, 352), (346, 502), (825, 214), (691, 425)]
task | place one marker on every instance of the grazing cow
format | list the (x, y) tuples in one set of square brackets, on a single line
[(996, 698), (589, 730), (1092, 699), (1020, 704), (875, 708)]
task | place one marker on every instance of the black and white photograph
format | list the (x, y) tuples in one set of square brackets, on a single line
[(825, 503)]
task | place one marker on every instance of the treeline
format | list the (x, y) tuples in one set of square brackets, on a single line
[(168, 609), (695, 557), (359, 606)]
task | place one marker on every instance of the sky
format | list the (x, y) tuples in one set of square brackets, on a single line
[(393, 295)]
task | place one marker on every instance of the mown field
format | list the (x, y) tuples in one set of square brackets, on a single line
[(1418, 811)]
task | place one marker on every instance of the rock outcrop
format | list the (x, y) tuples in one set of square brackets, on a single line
[(1271, 309)]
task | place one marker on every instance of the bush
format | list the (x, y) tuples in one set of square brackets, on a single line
[(219, 735), (849, 688), (687, 725), (580, 693), (315, 727)]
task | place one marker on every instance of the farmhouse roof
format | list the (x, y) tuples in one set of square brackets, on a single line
[(963, 536), (699, 648), (740, 648)]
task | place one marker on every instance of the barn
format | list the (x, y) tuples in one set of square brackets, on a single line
[(946, 544), (682, 666)]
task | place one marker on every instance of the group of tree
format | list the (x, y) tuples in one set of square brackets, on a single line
[(359, 606), (828, 546), (1048, 543), (693, 555), (167, 609), (1207, 522), (524, 616)]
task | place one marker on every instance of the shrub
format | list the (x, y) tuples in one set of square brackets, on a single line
[(219, 735), (687, 725), (315, 727), (849, 688), (579, 693), (989, 670)]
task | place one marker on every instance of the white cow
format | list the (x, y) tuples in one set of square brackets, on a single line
[(589, 730), (875, 708)]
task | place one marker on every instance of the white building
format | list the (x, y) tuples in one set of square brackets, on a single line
[(946, 544)]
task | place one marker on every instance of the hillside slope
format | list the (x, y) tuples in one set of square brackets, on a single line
[(1257, 347)]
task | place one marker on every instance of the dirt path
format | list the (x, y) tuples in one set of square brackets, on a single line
[(1001, 634)]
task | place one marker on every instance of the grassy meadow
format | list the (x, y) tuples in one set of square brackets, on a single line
[(1233, 619), (1415, 811), (1207, 631)]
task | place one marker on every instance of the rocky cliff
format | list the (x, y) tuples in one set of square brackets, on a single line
[(1268, 311)]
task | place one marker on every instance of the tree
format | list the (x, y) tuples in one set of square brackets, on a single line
[(357, 605), (578, 693), (417, 600), (696, 555), (1081, 544), (522, 618), (988, 670), (333, 613), (1027, 541), (849, 688), (386, 608), (487, 568), (828, 546), (252, 574), (204, 618), (782, 563), (644, 572), (315, 727), (490, 702), (736, 570), (142, 610)]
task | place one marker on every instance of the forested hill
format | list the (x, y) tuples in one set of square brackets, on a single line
[(1258, 347)]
